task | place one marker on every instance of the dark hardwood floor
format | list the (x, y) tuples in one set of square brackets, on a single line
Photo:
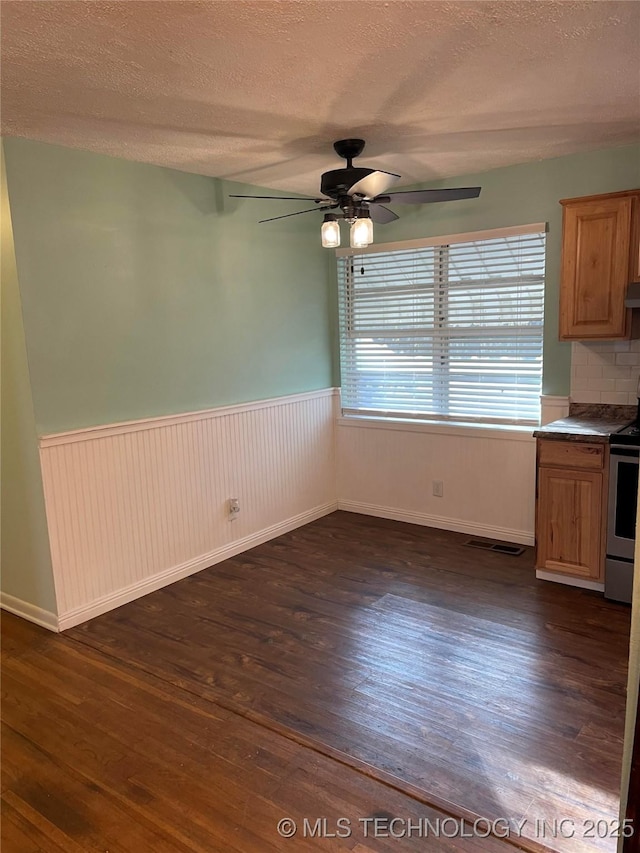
[(350, 667), (99, 757)]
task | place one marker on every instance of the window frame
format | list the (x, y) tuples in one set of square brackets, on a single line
[(441, 293)]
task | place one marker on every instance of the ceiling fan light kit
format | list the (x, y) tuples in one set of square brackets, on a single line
[(361, 193), (361, 233), (330, 231)]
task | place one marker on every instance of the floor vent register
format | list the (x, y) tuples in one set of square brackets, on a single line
[(498, 547)]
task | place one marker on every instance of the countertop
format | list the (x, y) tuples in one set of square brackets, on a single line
[(586, 422)]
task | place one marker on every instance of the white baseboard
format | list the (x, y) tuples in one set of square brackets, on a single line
[(176, 573), (569, 580), (44, 618), (522, 537)]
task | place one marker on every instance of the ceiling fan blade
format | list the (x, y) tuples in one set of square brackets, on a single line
[(297, 213), (381, 215), (373, 184), (282, 197), (429, 196)]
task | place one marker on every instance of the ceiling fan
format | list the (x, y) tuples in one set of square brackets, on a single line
[(361, 195)]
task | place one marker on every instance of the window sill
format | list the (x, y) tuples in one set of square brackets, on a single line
[(506, 432)]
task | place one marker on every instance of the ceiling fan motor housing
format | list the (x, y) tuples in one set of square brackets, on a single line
[(337, 182)]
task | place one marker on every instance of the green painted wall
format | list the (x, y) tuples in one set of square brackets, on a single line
[(147, 291), (518, 195), (26, 560)]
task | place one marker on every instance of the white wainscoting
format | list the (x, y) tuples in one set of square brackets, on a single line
[(133, 507), (387, 469)]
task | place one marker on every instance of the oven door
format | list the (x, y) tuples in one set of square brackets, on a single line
[(623, 497)]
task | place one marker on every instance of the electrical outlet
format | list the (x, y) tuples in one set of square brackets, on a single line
[(234, 507), (438, 488)]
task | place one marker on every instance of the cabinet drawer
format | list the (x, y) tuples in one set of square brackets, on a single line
[(570, 454)]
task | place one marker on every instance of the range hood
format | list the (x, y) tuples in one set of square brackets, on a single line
[(632, 299)]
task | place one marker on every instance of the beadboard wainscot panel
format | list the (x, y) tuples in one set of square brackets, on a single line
[(387, 468), (133, 507)]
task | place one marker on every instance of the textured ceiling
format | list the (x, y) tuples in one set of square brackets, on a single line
[(258, 91)]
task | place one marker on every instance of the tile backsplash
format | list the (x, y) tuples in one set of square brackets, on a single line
[(605, 372)]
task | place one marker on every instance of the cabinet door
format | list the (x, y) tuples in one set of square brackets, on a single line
[(634, 258), (569, 522), (596, 245)]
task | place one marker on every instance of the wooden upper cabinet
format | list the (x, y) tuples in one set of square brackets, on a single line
[(600, 256), (634, 262)]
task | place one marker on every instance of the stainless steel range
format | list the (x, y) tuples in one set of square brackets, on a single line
[(623, 498)]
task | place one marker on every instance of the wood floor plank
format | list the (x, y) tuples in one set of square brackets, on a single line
[(20, 833), (72, 810)]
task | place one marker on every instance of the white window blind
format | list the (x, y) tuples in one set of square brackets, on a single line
[(446, 331)]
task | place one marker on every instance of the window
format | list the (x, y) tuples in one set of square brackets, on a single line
[(444, 329)]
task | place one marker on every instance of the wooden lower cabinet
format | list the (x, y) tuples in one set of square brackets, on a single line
[(570, 509)]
